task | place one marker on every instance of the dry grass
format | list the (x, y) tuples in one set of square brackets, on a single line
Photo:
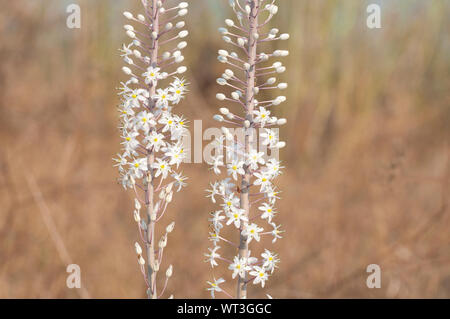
[(368, 168)]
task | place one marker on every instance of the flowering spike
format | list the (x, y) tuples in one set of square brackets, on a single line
[(152, 134), (245, 205)]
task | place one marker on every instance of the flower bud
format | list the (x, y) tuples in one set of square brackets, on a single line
[(170, 227), (169, 271), (138, 248)]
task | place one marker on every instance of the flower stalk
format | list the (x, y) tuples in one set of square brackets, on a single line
[(152, 134), (253, 170)]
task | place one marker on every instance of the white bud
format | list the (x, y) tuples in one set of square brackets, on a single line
[(180, 25), (227, 39), (218, 118), (224, 110), (223, 53), (221, 81), (128, 27), (128, 15), (271, 81), (169, 197), (181, 69), (247, 66), (137, 53), (255, 90), (241, 42), (284, 36), (281, 69), (183, 34), (131, 34), (141, 18), (169, 271), (168, 26), (222, 59), (223, 31), (274, 31), (137, 204), (170, 227), (229, 22), (229, 73), (126, 70), (183, 5), (281, 121), (235, 95), (156, 266), (137, 217), (282, 86), (264, 57), (182, 12), (141, 261), (280, 145), (182, 45), (246, 123), (138, 249), (220, 96), (166, 55)]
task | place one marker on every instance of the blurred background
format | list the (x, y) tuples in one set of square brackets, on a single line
[(367, 164)]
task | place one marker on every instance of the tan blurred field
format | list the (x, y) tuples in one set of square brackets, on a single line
[(367, 176)]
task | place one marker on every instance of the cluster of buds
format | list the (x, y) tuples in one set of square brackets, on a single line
[(252, 202), (152, 134)]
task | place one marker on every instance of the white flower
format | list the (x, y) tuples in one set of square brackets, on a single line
[(254, 158), (139, 167), (239, 267), (155, 140), (262, 179), (268, 212), (236, 167), (270, 260), (214, 237), (177, 89), (273, 167), (144, 121), (230, 202), (130, 142), (215, 286), (162, 168), (275, 232), (217, 219), (214, 191), (152, 75), (162, 98), (260, 275), (262, 116), (211, 257), (272, 194), (269, 137), (168, 121), (236, 216), (252, 232), (179, 181), (217, 162), (176, 154)]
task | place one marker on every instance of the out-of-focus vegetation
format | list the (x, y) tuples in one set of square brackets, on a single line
[(367, 163)]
